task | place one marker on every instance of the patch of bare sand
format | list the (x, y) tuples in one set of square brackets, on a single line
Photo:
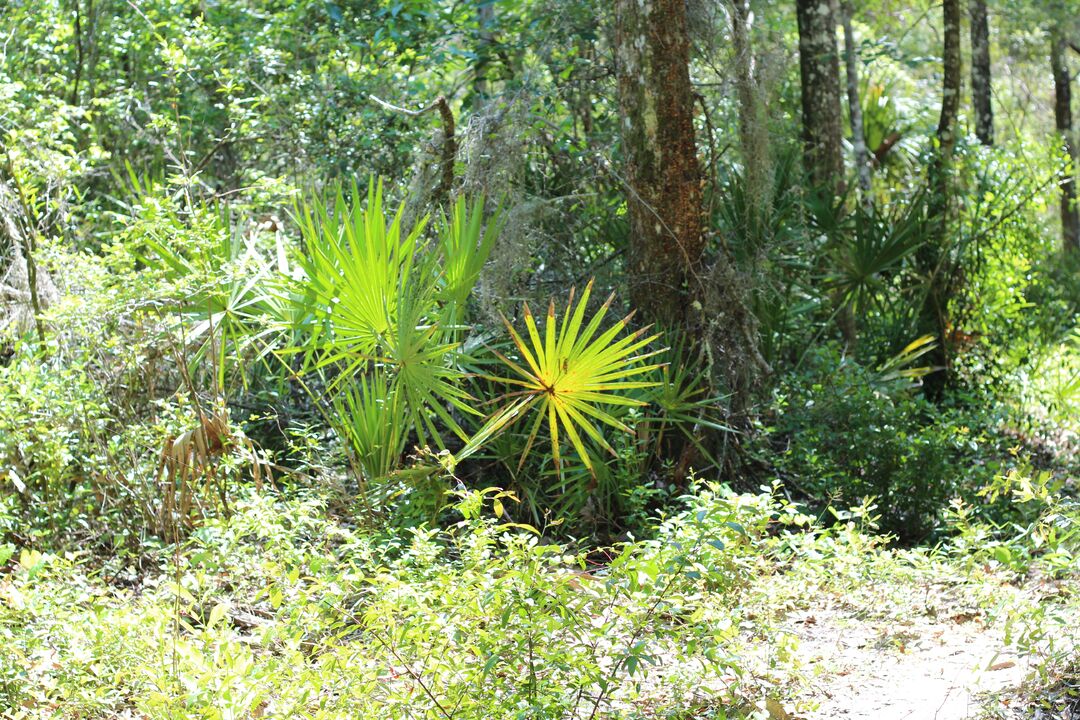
[(911, 669)]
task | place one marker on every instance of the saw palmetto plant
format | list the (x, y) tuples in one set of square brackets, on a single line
[(357, 266), (374, 420), (223, 283), (683, 401), (567, 376), (465, 243), (863, 262), (382, 309)]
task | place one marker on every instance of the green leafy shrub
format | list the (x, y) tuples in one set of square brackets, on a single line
[(283, 610), (52, 418), (72, 470), (838, 437), (1044, 530)]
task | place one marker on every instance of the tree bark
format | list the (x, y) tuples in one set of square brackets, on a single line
[(78, 53), (980, 72), (858, 134), (941, 164), (951, 86), (661, 165), (820, 76), (1070, 215), (932, 258), (448, 153), (753, 123)]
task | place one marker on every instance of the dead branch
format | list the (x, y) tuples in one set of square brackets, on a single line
[(449, 146)]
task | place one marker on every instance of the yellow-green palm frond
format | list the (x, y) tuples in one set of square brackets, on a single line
[(569, 374)]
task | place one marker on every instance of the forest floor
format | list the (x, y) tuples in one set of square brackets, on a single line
[(922, 668), (946, 660)]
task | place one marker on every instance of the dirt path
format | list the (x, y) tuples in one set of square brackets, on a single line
[(918, 669)]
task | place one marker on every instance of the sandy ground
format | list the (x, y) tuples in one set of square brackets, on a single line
[(918, 669)]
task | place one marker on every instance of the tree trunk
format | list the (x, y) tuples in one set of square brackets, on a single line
[(820, 75), (980, 72), (950, 90), (664, 201), (858, 135), (753, 123), (660, 154), (941, 164), (485, 21), (78, 53), (1070, 215), (932, 256)]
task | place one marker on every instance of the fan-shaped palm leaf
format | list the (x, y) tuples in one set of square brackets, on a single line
[(568, 375), (355, 268), (466, 243)]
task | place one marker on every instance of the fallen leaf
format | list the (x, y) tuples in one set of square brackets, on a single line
[(776, 710)]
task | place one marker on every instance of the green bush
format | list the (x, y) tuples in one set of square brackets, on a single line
[(284, 612), (50, 416), (839, 436)]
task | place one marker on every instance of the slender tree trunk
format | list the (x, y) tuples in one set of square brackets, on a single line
[(485, 20), (950, 91), (847, 321), (753, 123), (820, 75), (78, 53), (1070, 215), (932, 256), (662, 174), (858, 134), (91, 48), (819, 68), (586, 52), (980, 72)]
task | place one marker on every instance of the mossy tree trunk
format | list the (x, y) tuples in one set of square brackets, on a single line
[(858, 134), (662, 174), (667, 280), (753, 122)]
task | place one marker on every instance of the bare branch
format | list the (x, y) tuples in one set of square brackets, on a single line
[(449, 146)]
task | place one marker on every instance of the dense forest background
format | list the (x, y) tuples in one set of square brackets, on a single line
[(448, 290)]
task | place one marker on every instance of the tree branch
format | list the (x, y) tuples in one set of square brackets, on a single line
[(449, 147)]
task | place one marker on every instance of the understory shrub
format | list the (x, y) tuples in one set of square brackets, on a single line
[(50, 416), (839, 434), (284, 611)]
